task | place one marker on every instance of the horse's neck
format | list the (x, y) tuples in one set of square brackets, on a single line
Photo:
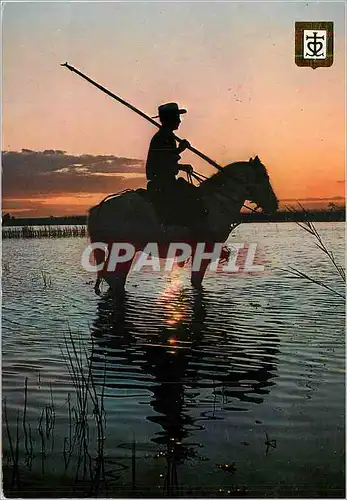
[(224, 201), (228, 202)]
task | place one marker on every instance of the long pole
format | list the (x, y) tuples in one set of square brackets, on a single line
[(139, 112)]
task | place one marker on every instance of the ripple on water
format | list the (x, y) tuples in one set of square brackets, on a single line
[(250, 356)]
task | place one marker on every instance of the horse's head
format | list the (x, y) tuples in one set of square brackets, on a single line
[(258, 187), (244, 180)]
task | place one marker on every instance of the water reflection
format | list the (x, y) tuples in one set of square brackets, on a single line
[(191, 351)]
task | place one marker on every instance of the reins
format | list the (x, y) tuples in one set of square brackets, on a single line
[(201, 178)]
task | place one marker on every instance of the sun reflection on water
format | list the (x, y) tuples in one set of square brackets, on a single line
[(175, 305)]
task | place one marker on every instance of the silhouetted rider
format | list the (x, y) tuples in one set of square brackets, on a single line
[(162, 167), (163, 156)]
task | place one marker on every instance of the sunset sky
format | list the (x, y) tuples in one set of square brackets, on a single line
[(230, 64)]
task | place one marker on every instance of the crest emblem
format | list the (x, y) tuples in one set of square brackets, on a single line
[(314, 44)]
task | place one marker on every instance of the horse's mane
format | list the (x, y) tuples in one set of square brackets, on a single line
[(230, 171), (219, 177)]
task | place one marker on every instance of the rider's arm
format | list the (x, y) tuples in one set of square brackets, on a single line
[(184, 144), (170, 154), (164, 154)]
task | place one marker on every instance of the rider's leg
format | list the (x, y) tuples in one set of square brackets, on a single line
[(195, 210)]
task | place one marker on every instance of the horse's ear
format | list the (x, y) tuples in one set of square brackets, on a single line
[(256, 159), (251, 160)]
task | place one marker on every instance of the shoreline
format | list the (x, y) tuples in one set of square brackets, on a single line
[(81, 220)]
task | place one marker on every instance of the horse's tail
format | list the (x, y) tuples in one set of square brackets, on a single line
[(93, 228)]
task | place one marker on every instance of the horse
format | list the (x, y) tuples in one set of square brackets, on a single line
[(130, 216)]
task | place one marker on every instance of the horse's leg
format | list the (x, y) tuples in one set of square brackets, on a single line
[(198, 275), (99, 257), (116, 279), (97, 285)]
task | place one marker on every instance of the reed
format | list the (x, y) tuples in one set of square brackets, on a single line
[(89, 406), (9, 437), (82, 452), (46, 279), (28, 442), (337, 269), (42, 439), (44, 231)]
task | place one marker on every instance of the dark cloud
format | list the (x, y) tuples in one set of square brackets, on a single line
[(33, 174)]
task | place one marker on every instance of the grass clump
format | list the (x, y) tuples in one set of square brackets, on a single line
[(79, 464), (337, 269)]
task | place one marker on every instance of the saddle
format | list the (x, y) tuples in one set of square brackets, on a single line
[(166, 211), (176, 207)]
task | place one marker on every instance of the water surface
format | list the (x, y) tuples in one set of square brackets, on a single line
[(249, 374)]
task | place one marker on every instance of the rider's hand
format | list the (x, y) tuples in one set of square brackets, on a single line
[(187, 168), (184, 144)]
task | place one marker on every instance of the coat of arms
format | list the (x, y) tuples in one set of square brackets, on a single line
[(314, 44)]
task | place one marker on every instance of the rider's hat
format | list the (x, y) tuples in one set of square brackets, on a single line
[(169, 109)]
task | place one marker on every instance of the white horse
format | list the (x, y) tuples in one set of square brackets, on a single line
[(130, 217)]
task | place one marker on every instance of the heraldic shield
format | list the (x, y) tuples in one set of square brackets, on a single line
[(314, 44)]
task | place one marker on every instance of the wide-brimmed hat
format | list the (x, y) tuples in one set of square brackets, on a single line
[(170, 108)]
